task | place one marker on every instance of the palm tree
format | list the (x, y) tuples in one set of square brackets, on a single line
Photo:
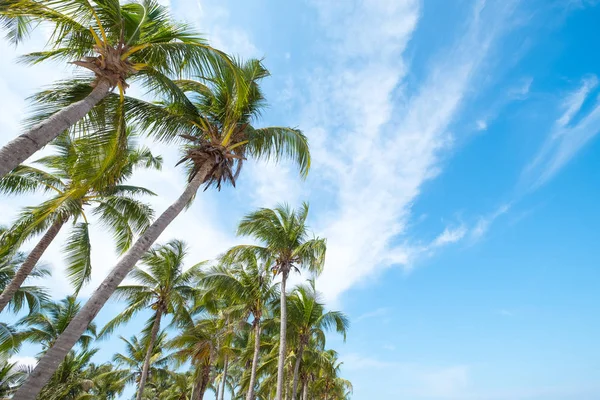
[(198, 345), (219, 142), (328, 385), (308, 319), (286, 247), (248, 287), (81, 177), (31, 296), (164, 288), (134, 358), (45, 326), (107, 383), (117, 42), (70, 381), (11, 376)]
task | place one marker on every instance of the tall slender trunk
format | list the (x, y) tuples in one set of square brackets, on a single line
[(146, 368), (23, 146), (224, 380), (50, 361), (250, 395), (297, 369), (30, 262), (282, 338), (305, 390)]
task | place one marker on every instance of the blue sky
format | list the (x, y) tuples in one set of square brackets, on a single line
[(454, 175)]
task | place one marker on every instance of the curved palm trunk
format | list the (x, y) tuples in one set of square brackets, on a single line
[(23, 146), (297, 369), (282, 339), (250, 395), (30, 262), (222, 395), (146, 368), (51, 360)]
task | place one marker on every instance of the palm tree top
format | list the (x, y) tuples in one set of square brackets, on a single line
[(218, 128), (285, 241), (114, 40)]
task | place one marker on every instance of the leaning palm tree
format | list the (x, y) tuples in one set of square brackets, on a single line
[(220, 137), (248, 287), (31, 296), (286, 247), (81, 177), (164, 287), (308, 319), (117, 42)]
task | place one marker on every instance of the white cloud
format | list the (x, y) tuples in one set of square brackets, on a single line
[(484, 223), (450, 236), (568, 136), (213, 20), (378, 152), (481, 125)]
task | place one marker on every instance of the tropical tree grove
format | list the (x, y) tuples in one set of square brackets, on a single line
[(164, 323)]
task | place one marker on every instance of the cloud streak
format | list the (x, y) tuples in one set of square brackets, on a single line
[(384, 150), (568, 136)]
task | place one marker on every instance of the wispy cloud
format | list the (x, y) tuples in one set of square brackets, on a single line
[(571, 132), (450, 235), (389, 148), (485, 222)]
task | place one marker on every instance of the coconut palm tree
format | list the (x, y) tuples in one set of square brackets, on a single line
[(31, 297), (220, 138), (198, 344), (134, 358), (164, 288), (108, 383), (328, 385), (248, 287), (70, 381), (82, 178), (286, 247), (118, 43), (308, 319), (45, 326), (11, 376)]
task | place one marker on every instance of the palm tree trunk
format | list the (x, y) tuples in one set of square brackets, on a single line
[(282, 338), (51, 360), (204, 378), (197, 388), (146, 368), (225, 365), (297, 369), (250, 395), (30, 262), (23, 146), (305, 390)]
